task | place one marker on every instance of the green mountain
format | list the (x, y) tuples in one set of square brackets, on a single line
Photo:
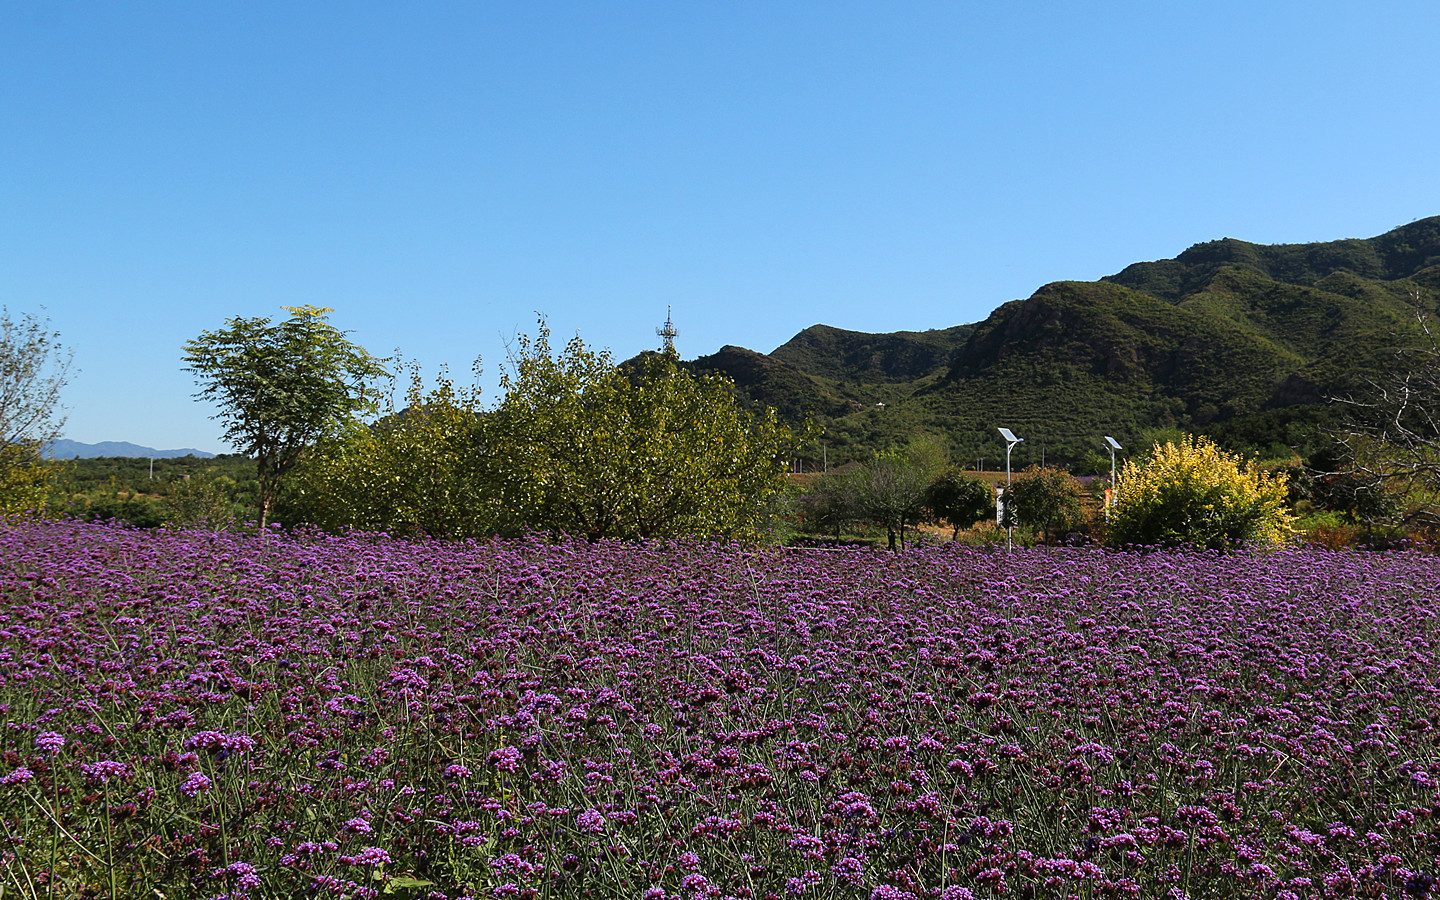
[(1244, 341), (854, 356)]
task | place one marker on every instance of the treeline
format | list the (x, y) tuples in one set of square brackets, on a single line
[(146, 493), (581, 446), (577, 445)]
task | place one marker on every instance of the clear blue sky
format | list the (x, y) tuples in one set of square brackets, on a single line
[(437, 172)]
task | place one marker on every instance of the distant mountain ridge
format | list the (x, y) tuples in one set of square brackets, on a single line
[(1246, 341), (67, 449)]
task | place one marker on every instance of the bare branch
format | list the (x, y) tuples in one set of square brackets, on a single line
[(34, 369), (1391, 443)]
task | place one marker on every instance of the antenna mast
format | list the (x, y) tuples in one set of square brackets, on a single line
[(668, 332)]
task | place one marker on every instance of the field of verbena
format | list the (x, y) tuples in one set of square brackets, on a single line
[(197, 714)]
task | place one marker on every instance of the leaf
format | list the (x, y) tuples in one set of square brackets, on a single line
[(399, 883)]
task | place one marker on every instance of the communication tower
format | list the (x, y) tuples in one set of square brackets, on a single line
[(668, 332)]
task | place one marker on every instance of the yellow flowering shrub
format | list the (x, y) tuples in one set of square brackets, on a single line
[(25, 479), (1192, 492)]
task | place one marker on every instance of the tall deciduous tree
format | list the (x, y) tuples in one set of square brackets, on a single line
[(580, 446), (890, 491), (34, 368), (833, 501), (281, 387)]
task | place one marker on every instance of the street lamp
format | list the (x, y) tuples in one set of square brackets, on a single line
[(1112, 445), (1010, 441)]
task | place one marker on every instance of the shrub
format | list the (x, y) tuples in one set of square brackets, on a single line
[(25, 478), (960, 499), (1192, 492), (419, 470), (1047, 499)]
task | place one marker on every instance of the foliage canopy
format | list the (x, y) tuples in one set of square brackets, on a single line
[(34, 368), (960, 499), (281, 386), (576, 446), (1046, 498), (420, 469), (1192, 492), (580, 446)]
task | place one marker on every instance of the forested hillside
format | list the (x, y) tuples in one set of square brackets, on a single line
[(1244, 341)]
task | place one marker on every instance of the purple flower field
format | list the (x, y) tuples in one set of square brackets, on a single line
[(191, 714)]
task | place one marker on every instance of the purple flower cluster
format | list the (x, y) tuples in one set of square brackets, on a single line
[(527, 719), (101, 772), (196, 783), (219, 743)]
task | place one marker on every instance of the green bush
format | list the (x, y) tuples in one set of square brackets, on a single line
[(578, 445), (419, 470), (960, 499), (1047, 499), (138, 512), (1192, 492)]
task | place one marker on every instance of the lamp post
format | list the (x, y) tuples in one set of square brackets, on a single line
[(1112, 445), (1010, 441)]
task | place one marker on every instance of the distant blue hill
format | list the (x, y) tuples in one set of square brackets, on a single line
[(63, 449)]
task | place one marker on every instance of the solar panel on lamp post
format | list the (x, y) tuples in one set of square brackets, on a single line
[(1112, 445), (1010, 441)]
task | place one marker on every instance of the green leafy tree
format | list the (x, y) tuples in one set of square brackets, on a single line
[(581, 447), (34, 369), (1192, 492), (960, 499), (832, 502), (891, 491), (281, 387), (421, 469), (1048, 499)]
